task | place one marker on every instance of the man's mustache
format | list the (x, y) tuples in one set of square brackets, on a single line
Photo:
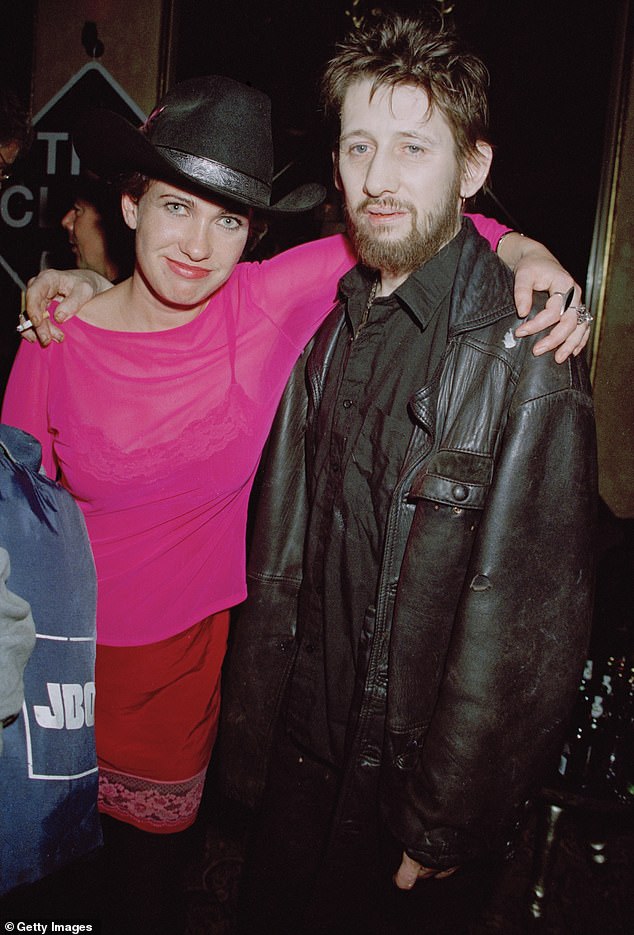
[(385, 204)]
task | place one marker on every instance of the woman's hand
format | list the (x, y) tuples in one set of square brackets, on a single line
[(536, 269)]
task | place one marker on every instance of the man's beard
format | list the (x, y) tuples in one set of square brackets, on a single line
[(398, 257)]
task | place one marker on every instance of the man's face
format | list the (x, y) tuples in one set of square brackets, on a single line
[(400, 177), (86, 236)]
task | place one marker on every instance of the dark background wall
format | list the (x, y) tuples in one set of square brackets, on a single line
[(16, 41)]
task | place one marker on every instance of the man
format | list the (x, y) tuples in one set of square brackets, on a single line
[(418, 613), (97, 233)]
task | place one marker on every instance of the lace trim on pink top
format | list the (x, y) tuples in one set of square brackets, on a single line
[(149, 804)]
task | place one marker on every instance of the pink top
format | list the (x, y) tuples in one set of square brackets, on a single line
[(158, 435)]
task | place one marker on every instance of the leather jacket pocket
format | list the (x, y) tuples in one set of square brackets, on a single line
[(456, 478)]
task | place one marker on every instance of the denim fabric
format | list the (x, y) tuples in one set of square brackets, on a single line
[(48, 768)]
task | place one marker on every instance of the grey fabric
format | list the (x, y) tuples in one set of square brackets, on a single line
[(17, 639)]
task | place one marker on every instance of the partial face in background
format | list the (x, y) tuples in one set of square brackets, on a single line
[(402, 183), (9, 152), (186, 246), (87, 238)]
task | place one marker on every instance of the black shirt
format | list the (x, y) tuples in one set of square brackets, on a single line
[(361, 436)]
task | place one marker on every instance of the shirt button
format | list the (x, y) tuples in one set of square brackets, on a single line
[(347, 403)]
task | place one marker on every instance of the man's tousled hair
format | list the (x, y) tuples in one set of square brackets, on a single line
[(400, 50)]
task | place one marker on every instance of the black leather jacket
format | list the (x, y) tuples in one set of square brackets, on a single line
[(484, 600)]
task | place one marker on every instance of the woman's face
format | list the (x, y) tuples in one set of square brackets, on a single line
[(186, 246)]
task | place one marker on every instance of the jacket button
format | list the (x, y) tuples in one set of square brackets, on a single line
[(347, 403), (460, 492)]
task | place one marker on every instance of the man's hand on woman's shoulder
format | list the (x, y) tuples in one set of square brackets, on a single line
[(72, 288)]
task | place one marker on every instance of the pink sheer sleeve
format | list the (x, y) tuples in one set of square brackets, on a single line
[(488, 228), (298, 288), (25, 398)]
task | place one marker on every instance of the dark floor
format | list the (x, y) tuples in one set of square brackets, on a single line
[(591, 889), (585, 897)]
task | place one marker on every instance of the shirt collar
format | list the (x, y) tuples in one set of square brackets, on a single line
[(421, 293)]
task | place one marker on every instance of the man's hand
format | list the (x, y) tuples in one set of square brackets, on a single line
[(71, 288), (410, 871), (536, 269)]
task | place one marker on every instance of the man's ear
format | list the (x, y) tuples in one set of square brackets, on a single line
[(129, 209), (335, 170), (476, 170)]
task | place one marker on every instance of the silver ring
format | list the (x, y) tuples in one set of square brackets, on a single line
[(566, 299), (24, 323), (584, 317)]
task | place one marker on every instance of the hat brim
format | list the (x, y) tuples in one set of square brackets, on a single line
[(110, 146)]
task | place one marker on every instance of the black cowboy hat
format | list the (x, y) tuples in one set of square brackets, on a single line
[(211, 134)]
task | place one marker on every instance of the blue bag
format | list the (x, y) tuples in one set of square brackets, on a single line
[(48, 767)]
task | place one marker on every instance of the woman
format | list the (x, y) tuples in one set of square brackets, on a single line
[(153, 412)]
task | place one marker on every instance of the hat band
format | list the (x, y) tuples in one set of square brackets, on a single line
[(209, 172)]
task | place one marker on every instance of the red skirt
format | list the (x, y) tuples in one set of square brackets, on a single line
[(156, 720)]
